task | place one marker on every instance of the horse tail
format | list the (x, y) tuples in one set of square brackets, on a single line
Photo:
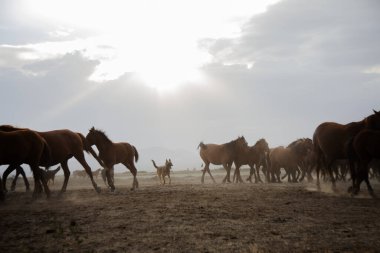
[(154, 164), (136, 153), (86, 146), (202, 145)]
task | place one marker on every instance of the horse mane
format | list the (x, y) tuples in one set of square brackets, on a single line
[(291, 145), (103, 134), (231, 145)]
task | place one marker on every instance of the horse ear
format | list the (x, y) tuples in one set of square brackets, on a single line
[(377, 113), (92, 129)]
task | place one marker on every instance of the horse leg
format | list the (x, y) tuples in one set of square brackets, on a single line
[(235, 176), (209, 172), (133, 170), (258, 175), (38, 179), (206, 168), (22, 172), (109, 178), (227, 177), (251, 172), (66, 173), (14, 181), (5, 176), (2, 195), (331, 173), (82, 161)]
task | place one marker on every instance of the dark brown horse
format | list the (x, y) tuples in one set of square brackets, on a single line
[(254, 157), (64, 144), (331, 140), (111, 153), (221, 154), (25, 146), (366, 145)]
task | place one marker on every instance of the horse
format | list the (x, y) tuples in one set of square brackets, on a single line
[(25, 146), (254, 157), (221, 154), (111, 153), (64, 144), (96, 173), (366, 146), (303, 156), (331, 140), (288, 158), (163, 171)]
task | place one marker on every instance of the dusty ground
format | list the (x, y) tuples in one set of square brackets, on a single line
[(189, 217)]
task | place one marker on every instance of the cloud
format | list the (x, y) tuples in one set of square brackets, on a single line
[(308, 57)]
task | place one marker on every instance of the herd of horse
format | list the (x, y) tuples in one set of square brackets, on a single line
[(334, 149), (356, 143)]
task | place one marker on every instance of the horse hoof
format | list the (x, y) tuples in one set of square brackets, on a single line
[(98, 189), (350, 189)]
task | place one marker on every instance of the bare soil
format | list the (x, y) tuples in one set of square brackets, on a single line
[(187, 216)]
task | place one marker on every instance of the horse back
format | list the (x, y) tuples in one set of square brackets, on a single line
[(216, 154), (63, 144), (330, 139), (21, 146)]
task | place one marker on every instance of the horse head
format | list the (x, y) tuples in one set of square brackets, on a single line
[(262, 145), (373, 121)]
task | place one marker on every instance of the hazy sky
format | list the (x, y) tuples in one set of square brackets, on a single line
[(173, 73)]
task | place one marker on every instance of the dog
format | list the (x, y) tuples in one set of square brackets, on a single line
[(163, 171)]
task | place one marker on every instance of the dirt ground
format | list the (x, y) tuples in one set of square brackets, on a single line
[(187, 216)]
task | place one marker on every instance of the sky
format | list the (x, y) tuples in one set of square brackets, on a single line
[(165, 75)]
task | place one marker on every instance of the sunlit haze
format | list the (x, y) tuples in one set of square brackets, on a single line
[(166, 75), (157, 40)]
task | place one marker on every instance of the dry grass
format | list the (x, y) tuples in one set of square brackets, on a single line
[(189, 217)]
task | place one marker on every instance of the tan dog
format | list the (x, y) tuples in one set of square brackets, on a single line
[(163, 171)]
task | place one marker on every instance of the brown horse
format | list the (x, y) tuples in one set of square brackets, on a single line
[(96, 173), (254, 157), (366, 145), (25, 146), (111, 153), (288, 158), (221, 154), (64, 144), (331, 140)]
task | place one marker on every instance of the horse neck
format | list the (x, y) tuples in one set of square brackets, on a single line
[(102, 143)]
